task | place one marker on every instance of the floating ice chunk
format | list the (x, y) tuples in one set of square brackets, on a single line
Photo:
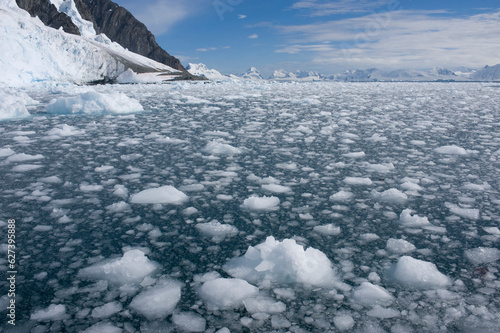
[(492, 230), (383, 313), (341, 196), (477, 187), (391, 195), (264, 203), (160, 195), (369, 294), (95, 103), (380, 168), (411, 186), (133, 267), (219, 148), (414, 273), (193, 188), (224, 197), (91, 188), (42, 227), (189, 322), (22, 157), (106, 310), (26, 167), (327, 229), (104, 168), (369, 237), (469, 213), (51, 180), (52, 313), (217, 230), (13, 105), (275, 188), (408, 220), (103, 327), (118, 207), (343, 322), (399, 246), (283, 262), (4, 152), (451, 150), (157, 302), (358, 181), (358, 154), (287, 166), (263, 305), (482, 255), (226, 293), (65, 131)]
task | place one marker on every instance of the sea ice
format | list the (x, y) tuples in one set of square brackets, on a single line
[(94, 103), (106, 310), (341, 196), (51, 313), (132, 267), (358, 181), (391, 195), (469, 213), (217, 230), (189, 322), (408, 220), (219, 148), (264, 203), (13, 105), (283, 262), (158, 301), (103, 327), (451, 150), (224, 293), (65, 130), (399, 246), (263, 305), (482, 255), (343, 322), (415, 273), (275, 188), (160, 195), (369, 294), (327, 229)]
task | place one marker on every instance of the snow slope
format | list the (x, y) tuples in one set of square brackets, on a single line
[(31, 52), (202, 70)]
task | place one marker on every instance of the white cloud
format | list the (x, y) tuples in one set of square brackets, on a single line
[(329, 7), (206, 49), (241, 17), (410, 39), (161, 15), (254, 36)]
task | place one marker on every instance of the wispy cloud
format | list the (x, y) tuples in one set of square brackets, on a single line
[(329, 7), (241, 16), (161, 15), (206, 49), (254, 36), (416, 39)]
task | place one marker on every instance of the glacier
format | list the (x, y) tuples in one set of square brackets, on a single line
[(251, 205)]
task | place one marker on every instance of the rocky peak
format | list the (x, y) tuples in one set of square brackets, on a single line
[(49, 15)]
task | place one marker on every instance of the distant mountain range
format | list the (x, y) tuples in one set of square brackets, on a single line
[(488, 73)]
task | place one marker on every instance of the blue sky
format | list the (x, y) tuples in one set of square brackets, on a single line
[(325, 36)]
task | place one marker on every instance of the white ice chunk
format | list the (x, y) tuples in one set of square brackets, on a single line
[(107, 310), (219, 148), (264, 203), (217, 230), (415, 273), (399, 246), (391, 195), (468, 213), (226, 293), (103, 327), (133, 267), (189, 322), (275, 188), (52, 313), (343, 322), (160, 195), (327, 229), (283, 262), (157, 302), (91, 188), (383, 313), (451, 150), (13, 105), (65, 131), (4, 152), (263, 305), (22, 157), (341, 196), (94, 103), (408, 220), (358, 181), (380, 168), (369, 294), (482, 255)]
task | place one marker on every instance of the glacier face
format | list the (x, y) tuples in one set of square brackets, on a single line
[(31, 52), (373, 207)]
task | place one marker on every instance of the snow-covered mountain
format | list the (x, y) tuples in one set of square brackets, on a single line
[(282, 75), (251, 74), (31, 51), (488, 73), (203, 71)]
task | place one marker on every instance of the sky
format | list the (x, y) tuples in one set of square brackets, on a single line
[(328, 36)]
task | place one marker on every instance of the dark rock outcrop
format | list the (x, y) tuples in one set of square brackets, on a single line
[(122, 27), (49, 15)]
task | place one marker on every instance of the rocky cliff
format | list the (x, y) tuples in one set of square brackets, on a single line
[(122, 27), (49, 15)]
